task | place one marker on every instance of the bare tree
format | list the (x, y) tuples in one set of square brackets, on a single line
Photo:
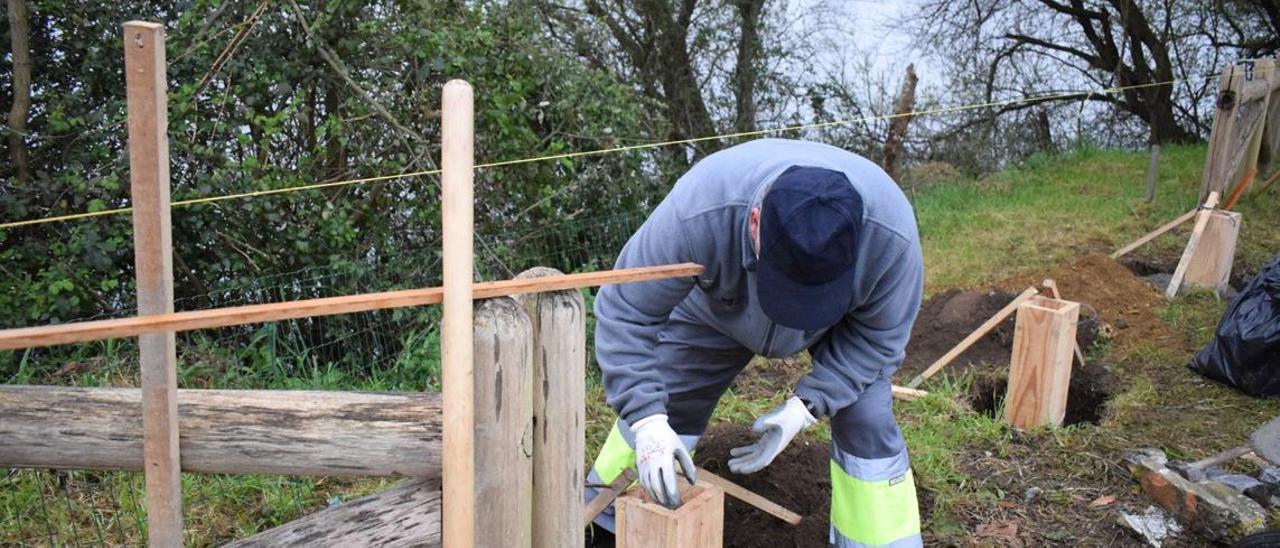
[(1026, 47), (678, 53)]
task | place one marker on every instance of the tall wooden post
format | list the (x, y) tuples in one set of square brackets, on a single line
[(559, 408), (146, 95), (503, 494), (1040, 371), (457, 150)]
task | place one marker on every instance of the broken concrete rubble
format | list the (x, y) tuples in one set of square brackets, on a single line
[(1209, 507)]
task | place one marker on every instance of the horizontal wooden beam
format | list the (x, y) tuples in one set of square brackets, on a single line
[(11, 339), (405, 515), (291, 432)]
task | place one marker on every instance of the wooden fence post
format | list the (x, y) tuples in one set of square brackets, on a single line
[(559, 400), (458, 386), (147, 102), (1153, 167), (503, 495), (1040, 372)]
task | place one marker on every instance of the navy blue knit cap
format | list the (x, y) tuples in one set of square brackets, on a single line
[(809, 223)]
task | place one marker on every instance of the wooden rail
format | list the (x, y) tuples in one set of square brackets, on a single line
[(26, 337), (292, 432)]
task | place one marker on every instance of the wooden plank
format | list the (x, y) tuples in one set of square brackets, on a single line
[(403, 516), (1154, 234), (743, 494), (147, 102), (25, 337), (503, 406), (1218, 164), (1040, 371), (1210, 268), (1202, 219), (699, 522), (974, 337), (606, 496), (291, 432), (559, 411)]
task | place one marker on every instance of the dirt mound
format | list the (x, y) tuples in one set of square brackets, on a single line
[(1122, 300), (798, 480), (951, 316)]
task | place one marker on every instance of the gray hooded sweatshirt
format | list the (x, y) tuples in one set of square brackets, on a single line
[(704, 220)]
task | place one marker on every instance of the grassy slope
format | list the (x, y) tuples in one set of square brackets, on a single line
[(1018, 221)]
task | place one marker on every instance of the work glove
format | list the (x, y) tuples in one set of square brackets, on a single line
[(657, 448), (776, 430)]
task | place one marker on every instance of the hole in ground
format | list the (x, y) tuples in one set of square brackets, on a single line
[(1086, 398)]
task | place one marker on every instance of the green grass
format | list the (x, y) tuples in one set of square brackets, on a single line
[(1049, 210)]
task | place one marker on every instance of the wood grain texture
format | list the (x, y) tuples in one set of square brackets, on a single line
[(147, 103), (974, 337), (26, 337), (1202, 219), (1219, 160), (1040, 370), (606, 496), (457, 158), (699, 522), (559, 411), (405, 515), (743, 494), (292, 432), (1154, 234), (1210, 267), (908, 394), (503, 403)]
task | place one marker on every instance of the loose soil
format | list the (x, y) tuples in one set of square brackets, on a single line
[(798, 480)]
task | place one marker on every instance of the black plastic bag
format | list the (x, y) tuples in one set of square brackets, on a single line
[(1245, 351)]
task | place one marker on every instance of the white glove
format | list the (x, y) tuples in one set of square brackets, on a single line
[(776, 430), (657, 448)]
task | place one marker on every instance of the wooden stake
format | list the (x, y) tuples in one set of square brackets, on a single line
[(908, 394), (458, 376), (503, 406), (1154, 234), (1040, 370), (26, 337), (1202, 219), (968, 341), (147, 101), (743, 494), (1053, 290), (559, 411)]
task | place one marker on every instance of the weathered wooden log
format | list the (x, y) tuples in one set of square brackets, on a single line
[(289, 432), (503, 404), (405, 515), (559, 409)]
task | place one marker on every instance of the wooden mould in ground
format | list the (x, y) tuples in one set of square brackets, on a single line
[(1040, 370), (698, 523)]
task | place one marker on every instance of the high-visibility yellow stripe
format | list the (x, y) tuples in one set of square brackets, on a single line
[(615, 456), (873, 512)]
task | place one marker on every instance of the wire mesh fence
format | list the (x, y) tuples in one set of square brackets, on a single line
[(387, 350)]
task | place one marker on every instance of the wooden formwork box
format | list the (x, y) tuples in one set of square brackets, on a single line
[(1040, 370), (698, 523)]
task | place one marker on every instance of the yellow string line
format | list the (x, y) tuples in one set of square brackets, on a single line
[(603, 151)]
